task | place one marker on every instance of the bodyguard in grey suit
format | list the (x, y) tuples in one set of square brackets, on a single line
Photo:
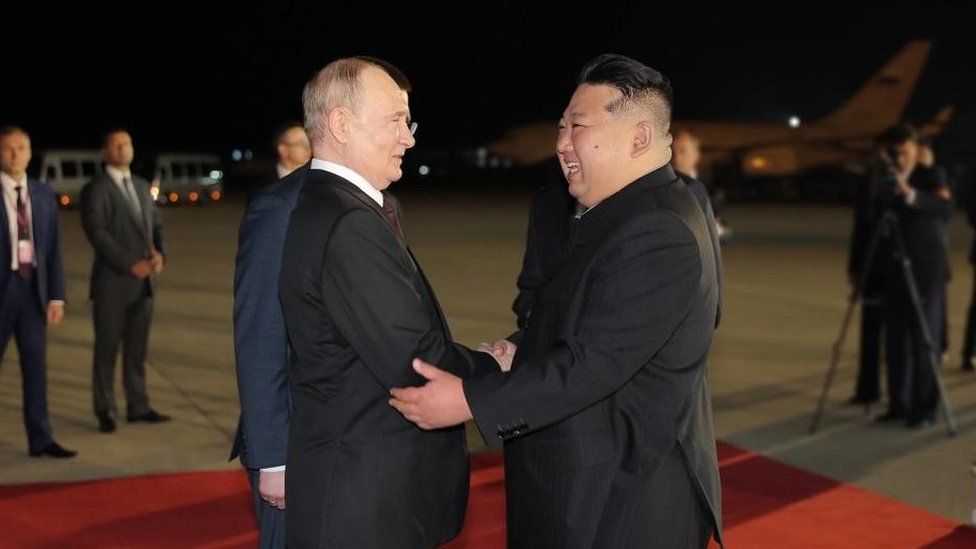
[(121, 222), (606, 413)]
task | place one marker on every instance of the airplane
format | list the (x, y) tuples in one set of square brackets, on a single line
[(843, 138)]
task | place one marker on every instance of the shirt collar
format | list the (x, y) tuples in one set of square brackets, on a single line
[(117, 174), (350, 176), (9, 183)]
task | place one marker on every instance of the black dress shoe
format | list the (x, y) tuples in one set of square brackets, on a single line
[(152, 416), (920, 423), (105, 423), (890, 415), (54, 450)]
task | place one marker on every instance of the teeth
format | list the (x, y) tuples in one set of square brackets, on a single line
[(572, 166)]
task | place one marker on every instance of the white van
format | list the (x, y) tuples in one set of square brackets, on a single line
[(187, 177), (67, 171)]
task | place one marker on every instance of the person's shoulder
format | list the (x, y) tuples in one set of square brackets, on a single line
[(39, 187)]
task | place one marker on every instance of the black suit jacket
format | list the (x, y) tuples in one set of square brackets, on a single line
[(358, 310), (49, 270), (923, 227), (610, 378), (119, 238), (551, 218)]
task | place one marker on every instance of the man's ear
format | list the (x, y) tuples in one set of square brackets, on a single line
[(643, 138), (339, 124)]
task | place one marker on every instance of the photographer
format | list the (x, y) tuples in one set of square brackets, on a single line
[(919, 198)]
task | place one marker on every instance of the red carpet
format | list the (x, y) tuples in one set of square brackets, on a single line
[(767, 504)]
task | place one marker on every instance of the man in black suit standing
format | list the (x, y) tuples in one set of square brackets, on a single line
[(357, 309), (31, 282), (261, 348), (606, 413), (920, 199), (121, 222)]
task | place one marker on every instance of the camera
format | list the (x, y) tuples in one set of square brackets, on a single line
[(891, 156)]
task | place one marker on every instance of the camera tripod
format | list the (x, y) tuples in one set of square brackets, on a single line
[(888, 225)]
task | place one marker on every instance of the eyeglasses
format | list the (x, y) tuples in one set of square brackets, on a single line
[(411, 127)]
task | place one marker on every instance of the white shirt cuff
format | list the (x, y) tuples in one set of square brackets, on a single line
[(273, 469)]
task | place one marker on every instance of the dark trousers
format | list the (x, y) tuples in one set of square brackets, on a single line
[(22, 317), (868, 388), (127, 322), (969, 337), (911, 380), (271, 521)]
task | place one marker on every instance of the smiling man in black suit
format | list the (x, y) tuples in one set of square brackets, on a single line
[(606, 414)]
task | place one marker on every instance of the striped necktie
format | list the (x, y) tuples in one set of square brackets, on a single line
[(24, 265)]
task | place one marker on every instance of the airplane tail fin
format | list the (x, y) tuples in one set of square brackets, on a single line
[(938, 122), (882, 99)]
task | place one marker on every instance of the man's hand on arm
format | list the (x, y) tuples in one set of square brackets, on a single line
[(439, 403)]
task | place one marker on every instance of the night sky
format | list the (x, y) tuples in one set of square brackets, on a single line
[(183, 80)]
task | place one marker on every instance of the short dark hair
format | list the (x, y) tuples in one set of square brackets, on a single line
[(640, 85), (112, 131), (898, 134), (279, 134)]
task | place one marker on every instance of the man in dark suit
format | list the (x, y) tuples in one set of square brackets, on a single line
[(553, 215), (31, 282), (121, 222), (260, 342), (969, 331), (606, 413), (920, 199), (357, 309)]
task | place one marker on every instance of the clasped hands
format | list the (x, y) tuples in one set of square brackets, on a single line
[(144, 267), (440, 402)]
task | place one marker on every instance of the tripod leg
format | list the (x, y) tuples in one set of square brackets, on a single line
[(834, 358), (927, 341), (855, 298)]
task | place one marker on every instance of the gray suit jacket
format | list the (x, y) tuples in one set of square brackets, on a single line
[(119, 237)]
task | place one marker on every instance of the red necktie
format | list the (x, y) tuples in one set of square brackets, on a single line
[(391, 213), (23, 233)]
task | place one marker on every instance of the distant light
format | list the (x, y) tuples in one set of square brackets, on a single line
[(248, 154), (216, 174), (794, 121), (236, 155), (424, 169), (757, 162)]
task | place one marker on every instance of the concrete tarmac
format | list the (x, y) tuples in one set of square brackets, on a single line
[(785, 296)]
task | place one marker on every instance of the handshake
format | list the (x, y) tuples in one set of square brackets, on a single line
[(502, 350)]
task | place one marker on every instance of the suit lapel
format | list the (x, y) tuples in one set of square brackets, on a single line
[(5, 245), (38, 212)]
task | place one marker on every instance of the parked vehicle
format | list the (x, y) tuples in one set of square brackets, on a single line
[(67, 171), (187, 177)]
